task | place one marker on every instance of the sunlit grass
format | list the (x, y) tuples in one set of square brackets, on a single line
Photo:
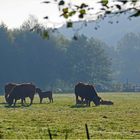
[(121, 120)]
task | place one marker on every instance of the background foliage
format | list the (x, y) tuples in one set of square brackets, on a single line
[(60, 62)]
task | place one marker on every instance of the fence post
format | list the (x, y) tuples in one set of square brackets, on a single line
[(66, 136), (87, 132), (50, 135)]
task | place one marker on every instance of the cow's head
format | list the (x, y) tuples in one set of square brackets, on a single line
[(6, 97), (38, 90), (96, 100), (10, 101)]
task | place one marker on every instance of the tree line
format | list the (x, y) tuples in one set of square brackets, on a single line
[(59, 63)]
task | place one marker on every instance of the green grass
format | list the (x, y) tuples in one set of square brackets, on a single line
[(118, 121)]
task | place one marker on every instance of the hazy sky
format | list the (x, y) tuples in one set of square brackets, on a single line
[(15, 12)]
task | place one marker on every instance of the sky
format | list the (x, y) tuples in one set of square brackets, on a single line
[(14, 12)]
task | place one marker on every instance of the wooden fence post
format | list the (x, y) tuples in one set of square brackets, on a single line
[(50, 135), (87, 132)]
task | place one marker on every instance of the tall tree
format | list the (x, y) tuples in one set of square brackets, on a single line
[(5, 55), (88, 61), (128, 52)]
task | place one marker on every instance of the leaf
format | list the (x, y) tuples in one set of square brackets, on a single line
[(104, 2), (81, 16), (69, 24), (72, 13), (118, 6), (83, 5), (134, 1), (46, 17), (124, 1), (61, 3), (82, 11), (136, 14), (65, 10), (45, 35), (75, 37), (108, 12), (46, 2), (65, 15)]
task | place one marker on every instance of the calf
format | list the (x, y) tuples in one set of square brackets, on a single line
[(44, 94)]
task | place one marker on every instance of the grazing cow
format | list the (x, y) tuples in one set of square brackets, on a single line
[(44, 94), (8, 88), (21, 91), (88, 93)]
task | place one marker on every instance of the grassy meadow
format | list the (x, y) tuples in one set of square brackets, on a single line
[(118, 121)]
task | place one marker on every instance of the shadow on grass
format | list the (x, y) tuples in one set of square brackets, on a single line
[(7, 106), (79, 106), (42, 103), (3, 103), (17, 106)]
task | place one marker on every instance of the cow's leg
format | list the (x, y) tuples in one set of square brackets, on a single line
[(22, 101), (41, 100), (76, 99), (86, 102), (15, 102), (49, 99), (52, 100), (82, 100), (31, 101), (31, 98), (89, 103)]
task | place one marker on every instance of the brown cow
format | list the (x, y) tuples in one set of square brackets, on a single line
[(8, 88), (88, 93), (21, 91), (44, 94)]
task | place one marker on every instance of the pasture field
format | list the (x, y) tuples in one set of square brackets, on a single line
[(118, 121)]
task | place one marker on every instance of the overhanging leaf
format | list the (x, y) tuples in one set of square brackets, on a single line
[(83, 5), (72, 13), (46, 17), (81, 16), (45, 35), (61, 3), (82, 11), (69, 24), (118, 6), (104, 2), (135, 14), (46, 2), (65, 15), (65, 10)]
